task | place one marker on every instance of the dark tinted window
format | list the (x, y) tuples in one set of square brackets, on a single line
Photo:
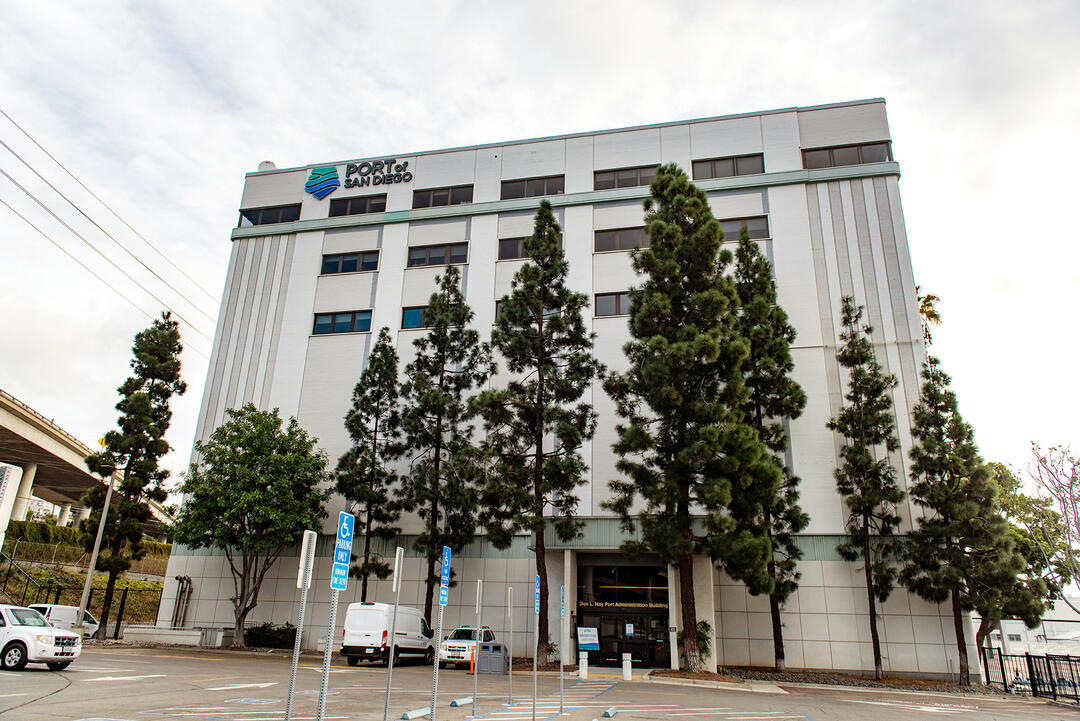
[(358, 206), (438, 197), (265, 216), (620, 239), (414, 317), (438, 254), (729, 166), (816, 158), (624, 177), (612, 304), (875, 153), (847, 155), (757, 226), (510, 248), (350, 262), (344, 322), (532, 187)]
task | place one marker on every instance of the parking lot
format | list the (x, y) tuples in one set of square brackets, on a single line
[(131, 684)]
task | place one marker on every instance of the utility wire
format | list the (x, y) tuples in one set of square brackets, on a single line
[(89, 270), (107, 233), (194, 282), (96, 250)]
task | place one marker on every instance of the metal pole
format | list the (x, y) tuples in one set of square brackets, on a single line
[(326, 654), (479, 637), (510, 626), (435, 672), (78, 627), (399, 557), (536, 649), (562, 639), (307, 560)]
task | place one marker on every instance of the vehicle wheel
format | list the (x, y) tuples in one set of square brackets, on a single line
[(14, 657), (353, 660), (429, 657), (397, 656), (58, 665), (442, 664)]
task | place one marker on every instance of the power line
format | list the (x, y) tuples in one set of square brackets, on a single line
[(89, 270), (107, 233), (96, 250), (194, 282)]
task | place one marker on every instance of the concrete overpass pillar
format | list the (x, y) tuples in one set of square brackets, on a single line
[(84, 513), (65, 514), (26, 488), (8, 488)]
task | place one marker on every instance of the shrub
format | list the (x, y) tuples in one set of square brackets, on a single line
[(267, 635)]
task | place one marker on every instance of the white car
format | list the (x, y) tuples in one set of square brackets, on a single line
[(459, 646), (26, 637)]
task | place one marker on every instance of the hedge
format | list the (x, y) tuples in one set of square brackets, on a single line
[(35, 532)]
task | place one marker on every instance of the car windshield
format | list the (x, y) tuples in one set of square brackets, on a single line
[(27, 617), (463, 634)]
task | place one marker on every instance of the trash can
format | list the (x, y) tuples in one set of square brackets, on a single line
[(491, 659)]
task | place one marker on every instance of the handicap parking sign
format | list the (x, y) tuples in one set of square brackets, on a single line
[(339, 575)]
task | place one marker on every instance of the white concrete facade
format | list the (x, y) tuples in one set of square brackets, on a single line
[(832, 231)]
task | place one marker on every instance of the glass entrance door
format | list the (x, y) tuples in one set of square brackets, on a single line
[(642, 635)]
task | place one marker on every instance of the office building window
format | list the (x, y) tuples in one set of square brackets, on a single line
[(1014, 637), (265, 216), (358, 205), (350, 262), (620, 239), (417, 317), (729, 166), (532, 187), (847, 155), (445, 254), (438, 197), (612, 304), (757, 226), (513, 248), (358, 321), (624, 177)]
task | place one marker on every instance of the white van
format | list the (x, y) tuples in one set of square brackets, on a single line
[(367, 631), (64, 617)]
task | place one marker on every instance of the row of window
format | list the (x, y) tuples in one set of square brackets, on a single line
[(359, 321), (724, 167), (514, 248)]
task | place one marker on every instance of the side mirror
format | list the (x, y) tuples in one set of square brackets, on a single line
[(445, 637)]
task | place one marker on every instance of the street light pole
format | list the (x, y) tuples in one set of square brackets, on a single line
[(78, 628)]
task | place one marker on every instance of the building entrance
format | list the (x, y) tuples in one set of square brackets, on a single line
[(628, 605)]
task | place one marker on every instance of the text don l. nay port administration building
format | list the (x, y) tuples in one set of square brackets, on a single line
[(325, 255)]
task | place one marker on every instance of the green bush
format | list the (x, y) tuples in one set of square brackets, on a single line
[(34, 532), (267, 635)]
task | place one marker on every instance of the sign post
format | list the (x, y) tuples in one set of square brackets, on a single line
[(510, 635), (339, 581), (536, 640), (562, 638), (479, 638), (444, 595), (399, 559), (303, 582)]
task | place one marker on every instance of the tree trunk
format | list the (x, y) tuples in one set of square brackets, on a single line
[(878, 674), (777, 632), (106, 605), (985, 627), (691, 650), (367, 555), (542, 650), (961, 645), (429, 593)]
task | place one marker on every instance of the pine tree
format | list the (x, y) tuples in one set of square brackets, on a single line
[(443, 483), (867, 482), (537, 423), (963, 545), (767, 511), (135, 450), (363, 475), (684, 442)]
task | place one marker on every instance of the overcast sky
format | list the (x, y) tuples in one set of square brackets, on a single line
[(161, 107)]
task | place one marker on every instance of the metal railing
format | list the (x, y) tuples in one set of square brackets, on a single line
[(47, 554), (1050, 676), (21, 587)]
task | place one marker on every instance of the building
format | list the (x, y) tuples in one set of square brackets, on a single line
[(325, 254)]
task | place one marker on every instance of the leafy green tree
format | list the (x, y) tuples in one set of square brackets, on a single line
[(866, 481), (134, 450), (363, 474), (1038, 535), (767, 511), (962, 545), (445, 467), (537, 423), (684, 442), (254, 490)]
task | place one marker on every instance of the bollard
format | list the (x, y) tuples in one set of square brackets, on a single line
[(610, 712), (626, 675), (461, 701), (583, 665), (416, 713)]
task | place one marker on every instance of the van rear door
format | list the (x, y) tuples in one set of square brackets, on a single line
[(365, 625)]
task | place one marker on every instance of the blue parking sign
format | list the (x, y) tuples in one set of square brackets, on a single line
[(444, 581), (537, 596), (339, 574)]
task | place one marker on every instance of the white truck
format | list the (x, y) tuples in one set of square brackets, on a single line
[(459, 646), (367, 630), (26, 637), (64, 617)]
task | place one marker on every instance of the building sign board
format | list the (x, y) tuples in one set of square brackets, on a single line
[(588, 638)]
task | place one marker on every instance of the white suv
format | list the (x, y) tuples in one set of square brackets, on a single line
[(459, 646), (25, 636)]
